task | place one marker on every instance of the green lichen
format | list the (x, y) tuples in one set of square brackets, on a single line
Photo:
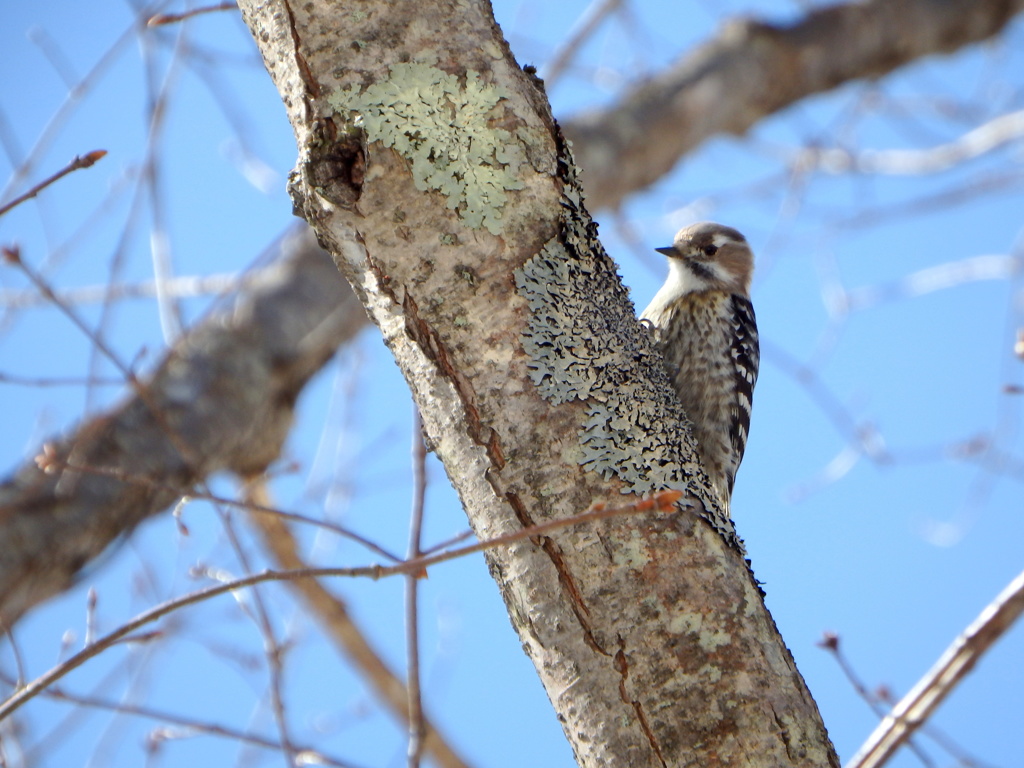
[(584, 343), (442, 127)]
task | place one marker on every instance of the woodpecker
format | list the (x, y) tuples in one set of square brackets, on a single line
[(704, 325)]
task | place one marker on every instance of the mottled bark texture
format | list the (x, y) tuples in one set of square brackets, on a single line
[(431, 169), (752, 69), (222, 399)]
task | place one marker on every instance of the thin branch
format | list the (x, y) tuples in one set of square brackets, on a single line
[(863, 435), (272, 649), (1000, 182), (181, 286), (326, 525), (168, 308), (160, 19), (254, 359), (582, 30), (48, 461), (75, 95), (58, 381), (191, 726), (959, 659), (997, 266), (12, 256), (830, 643), (53, 53), (663, 501), (81, 161), (986, 138), (412, 632), (334, 617), (942, 740)]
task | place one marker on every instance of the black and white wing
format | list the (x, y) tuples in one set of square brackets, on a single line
[(746, 358)]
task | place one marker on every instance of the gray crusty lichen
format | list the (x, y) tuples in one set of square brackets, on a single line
[(584, 344), (442, 127)]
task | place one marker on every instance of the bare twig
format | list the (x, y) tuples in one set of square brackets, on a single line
[(412, 627), (763, 68), (830, 643), (169, 309), (581, 32), (234, 416), (663, 501), (334, 617), (181, 286), (58, 381), (860, 434), (51, 49), (48, 460), (188, 726), (81, 161), (273, 650), (959, 659), (987, 137), (160, 19), (942, 740), (975, 188), (996, 266), (12, 255), (326, 525)]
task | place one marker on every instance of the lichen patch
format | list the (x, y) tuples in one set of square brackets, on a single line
[(442, 126), (584, 343)]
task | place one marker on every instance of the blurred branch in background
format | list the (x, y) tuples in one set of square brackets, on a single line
[(337, 622), (763, 68), (81, 161), (959, 659), (227, 388)]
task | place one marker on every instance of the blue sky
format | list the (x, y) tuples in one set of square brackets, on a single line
[(896, 554)]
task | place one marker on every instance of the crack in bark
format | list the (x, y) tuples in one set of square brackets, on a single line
[(622, 667), (305, 72), (433, 347), (554, 553), (784, 735)]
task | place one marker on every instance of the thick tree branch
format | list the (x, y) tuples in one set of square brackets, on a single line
[(226, 391), (430, 166), (753, 69)]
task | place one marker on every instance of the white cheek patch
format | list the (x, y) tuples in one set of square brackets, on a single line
[(720, 271), (684, 278)]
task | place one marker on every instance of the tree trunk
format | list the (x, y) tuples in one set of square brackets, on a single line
[(431, 169)]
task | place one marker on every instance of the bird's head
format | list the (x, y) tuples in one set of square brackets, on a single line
[(710, 257)]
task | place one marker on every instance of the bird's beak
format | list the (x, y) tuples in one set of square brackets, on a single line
[(669, 251)]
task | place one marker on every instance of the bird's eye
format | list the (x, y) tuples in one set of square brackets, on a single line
[(710, 250)]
